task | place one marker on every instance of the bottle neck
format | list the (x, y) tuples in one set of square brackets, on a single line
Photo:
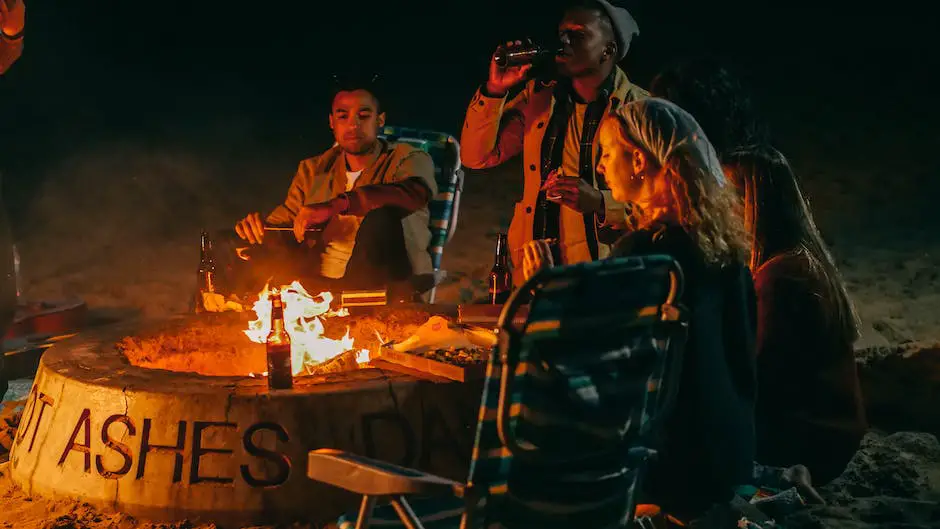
[(502, 255), (205, 251), (277, 317)]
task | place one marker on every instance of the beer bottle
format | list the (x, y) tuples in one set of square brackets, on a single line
[(205, 275), (528, 53), (280, 372), (500, 278)]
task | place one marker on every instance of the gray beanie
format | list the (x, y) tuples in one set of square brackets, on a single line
[(625, 26)]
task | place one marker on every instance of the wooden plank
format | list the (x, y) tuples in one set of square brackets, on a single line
[(433, 367), (384, 365), (488, 315)]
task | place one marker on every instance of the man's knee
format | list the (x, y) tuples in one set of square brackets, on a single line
[(381, 225)]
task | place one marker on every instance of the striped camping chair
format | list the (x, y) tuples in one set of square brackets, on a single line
[(571, 409), (444, 149)]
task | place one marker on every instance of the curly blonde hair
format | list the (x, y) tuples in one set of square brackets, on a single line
[(707, 207), (711, 213)]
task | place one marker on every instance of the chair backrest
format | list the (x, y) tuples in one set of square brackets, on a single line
[(574, 398), (444, 150)]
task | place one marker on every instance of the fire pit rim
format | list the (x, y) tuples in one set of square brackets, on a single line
[(92, 357)]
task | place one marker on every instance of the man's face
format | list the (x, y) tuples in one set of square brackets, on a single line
[(356, 121), (584, 35)]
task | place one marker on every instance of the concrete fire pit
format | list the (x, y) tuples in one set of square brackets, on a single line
[(168, 445)]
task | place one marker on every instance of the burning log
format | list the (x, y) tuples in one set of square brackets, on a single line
[(342, 362)]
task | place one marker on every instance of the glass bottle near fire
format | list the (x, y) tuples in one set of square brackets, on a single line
[(205, 275), (500, 276), (280, 372)]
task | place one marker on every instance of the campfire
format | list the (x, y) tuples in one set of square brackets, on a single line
[(302, 318), (326, 341)]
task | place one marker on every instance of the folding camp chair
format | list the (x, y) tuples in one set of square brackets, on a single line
[(444, 150), (571, 410)]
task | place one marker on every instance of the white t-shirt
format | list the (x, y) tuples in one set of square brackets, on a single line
[(351, 178)]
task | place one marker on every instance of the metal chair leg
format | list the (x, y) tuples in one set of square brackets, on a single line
[(365, 512), (406, 513)]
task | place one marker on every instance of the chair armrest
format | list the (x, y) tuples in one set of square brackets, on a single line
[(371, 477)]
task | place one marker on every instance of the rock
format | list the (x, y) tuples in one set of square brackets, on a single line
[(895, 465), (891, 482), (869, 338), (869, 513), (900, 387), (893, 330), (68, 521)]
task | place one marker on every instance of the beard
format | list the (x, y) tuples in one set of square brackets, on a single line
[(358, 148)]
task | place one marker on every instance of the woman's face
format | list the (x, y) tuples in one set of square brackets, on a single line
[(626, 167)]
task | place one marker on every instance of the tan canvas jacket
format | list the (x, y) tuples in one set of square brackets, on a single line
[(495, 130), (323, 177)]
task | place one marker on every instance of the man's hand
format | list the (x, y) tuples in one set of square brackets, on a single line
[(573, 192), (537, 255), (502, 79), (316, 214), (12, 17), (250, 228)]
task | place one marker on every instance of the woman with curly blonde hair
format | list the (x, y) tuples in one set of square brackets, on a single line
[(655, 156)]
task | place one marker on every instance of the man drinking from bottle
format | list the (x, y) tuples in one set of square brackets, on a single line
[(552, 124)]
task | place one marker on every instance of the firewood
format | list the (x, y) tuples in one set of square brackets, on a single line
[(339, 363)]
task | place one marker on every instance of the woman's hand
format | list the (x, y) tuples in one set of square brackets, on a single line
[(573, 192), (537, 255)]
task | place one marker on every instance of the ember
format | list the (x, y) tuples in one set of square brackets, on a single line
[(302, 313)]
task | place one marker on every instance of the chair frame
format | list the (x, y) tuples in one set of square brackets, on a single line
[(376, 480), (459, 174)]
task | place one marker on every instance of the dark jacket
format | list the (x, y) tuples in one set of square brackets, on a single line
[(708, 447), (809, 407)]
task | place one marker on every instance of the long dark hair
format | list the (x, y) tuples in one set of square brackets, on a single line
[(781, 223)]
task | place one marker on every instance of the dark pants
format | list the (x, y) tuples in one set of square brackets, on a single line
[(379, 260)]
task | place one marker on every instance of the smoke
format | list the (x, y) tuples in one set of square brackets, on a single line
[(118, 224)]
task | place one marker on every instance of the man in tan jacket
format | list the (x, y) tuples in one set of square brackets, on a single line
[(553, 125), (370, 198)]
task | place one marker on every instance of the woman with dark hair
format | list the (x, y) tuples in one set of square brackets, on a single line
[(810, 408), (654, 154)]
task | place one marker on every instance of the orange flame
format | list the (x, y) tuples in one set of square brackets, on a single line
[(302, 313)]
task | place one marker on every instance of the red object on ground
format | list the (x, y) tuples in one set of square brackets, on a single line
[(48, 318)]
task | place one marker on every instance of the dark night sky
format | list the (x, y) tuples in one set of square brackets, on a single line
[(95, 70)]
